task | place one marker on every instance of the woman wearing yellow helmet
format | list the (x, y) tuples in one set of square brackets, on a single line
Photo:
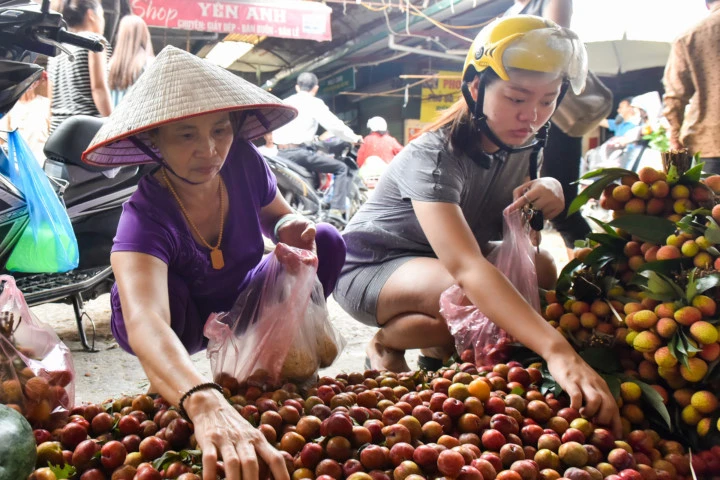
[(438, 208)]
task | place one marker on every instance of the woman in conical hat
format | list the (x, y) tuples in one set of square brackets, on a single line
[(438, 211), (190, 238)]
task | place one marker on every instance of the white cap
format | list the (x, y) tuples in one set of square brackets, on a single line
[(377, 124)]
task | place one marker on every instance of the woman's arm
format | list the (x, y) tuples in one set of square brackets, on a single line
[(220, 430), (97, 65), (456, 248), (559, 11), (299, 232)]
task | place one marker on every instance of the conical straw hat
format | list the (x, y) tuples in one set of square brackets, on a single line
[(179, 85)]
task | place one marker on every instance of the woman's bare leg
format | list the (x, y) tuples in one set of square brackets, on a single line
[(408, 312)]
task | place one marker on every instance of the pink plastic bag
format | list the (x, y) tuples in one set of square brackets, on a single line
[(472, 330), (279, 327), (36, 368)]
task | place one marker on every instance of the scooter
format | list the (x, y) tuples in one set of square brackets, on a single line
[(93, 196), (310, 193)]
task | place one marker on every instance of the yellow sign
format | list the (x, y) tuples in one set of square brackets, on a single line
[(439, 94), (412, 129)]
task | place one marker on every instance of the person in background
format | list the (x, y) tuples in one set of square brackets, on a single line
[(30, 116), (625, 120), (378, 143), (563, 153), (269, 148), (294, 140), (692, 79), (132, 54), (80, 87)]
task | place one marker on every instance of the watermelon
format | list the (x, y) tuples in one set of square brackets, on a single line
[(17, 445)]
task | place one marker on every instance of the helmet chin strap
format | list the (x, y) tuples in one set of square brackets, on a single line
[(480, 119), (150, 153)]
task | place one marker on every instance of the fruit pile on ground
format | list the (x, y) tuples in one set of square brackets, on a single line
[(640, 299), (458, 423)]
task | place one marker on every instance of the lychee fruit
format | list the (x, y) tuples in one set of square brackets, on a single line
[(704, 402), (695, 371), (687, 315), (704, 332)]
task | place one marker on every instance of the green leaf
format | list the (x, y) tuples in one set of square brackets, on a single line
[(653, 398), (603, 360), (673, 347), (613, 383), (65, 472), (611, 241), (706, 283), (712, 232), (580, 244), (608, 229), (692, 175), (666, 267), (607, 176), (565, 277), (690, 224), (647, 228), (713, 251), (166, 459), (672, 175), (659, 284), (615, 173)]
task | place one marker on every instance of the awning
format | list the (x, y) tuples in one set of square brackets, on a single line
[(281, 18)]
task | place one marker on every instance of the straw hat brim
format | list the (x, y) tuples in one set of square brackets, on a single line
[(178, 86)]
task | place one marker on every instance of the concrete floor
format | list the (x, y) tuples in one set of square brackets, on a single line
[(112, 372)]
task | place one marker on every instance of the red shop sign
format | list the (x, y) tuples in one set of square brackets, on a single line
[(285, 19)]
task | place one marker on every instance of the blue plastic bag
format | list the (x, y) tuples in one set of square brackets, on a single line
[(48, 243)]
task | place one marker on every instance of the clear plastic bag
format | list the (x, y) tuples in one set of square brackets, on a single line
[(48, 243), (279, 329), (473, 331), (36, 368)]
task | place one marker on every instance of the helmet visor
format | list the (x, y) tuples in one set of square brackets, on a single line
[(556, 52)]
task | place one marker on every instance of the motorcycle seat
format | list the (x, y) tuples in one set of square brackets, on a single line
[(297, 168), (71, 138)]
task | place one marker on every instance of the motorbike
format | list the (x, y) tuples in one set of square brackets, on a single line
[(310, 193), (93, 196)]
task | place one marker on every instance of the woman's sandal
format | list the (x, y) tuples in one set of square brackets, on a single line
[(429, 364)]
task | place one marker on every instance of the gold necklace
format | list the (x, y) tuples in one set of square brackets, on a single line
[(216, 256)]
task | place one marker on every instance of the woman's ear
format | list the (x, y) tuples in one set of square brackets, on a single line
[(474, 86)]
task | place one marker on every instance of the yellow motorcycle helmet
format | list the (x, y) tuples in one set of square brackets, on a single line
[(529, 43), (523, 43)]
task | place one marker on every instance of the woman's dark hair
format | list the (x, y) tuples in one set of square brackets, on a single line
[(462, 132), (74, 11)]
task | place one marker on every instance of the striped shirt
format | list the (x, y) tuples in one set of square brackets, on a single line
[(71, 92)]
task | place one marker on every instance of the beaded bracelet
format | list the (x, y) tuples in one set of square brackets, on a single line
[(196, 388)]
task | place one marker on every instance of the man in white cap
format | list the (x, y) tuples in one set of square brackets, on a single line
[(294, 140)]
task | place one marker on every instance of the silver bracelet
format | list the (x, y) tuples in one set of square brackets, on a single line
[(288, 217)]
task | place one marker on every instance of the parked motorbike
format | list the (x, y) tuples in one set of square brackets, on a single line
[(310, 193), (93, 196)]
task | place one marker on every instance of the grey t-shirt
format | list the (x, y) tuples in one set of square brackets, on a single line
[(386, 227)]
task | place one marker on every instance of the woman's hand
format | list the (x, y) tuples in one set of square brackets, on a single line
[(545, 194), (222, 433), (299, 233), (585, 386)]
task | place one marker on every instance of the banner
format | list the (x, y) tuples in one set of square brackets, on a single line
[(284, 19), (439, 94), (342, 82)]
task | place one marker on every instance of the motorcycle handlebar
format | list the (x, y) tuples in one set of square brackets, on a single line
[(64, 36)]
